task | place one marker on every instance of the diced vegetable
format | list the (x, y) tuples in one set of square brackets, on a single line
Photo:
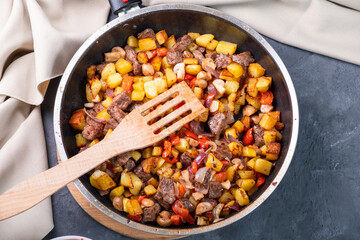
[(214, 163), (204, 40), (114, 80), (123, 66), (226, 47), (116, 192), (240, 196), (246, 184), (161, 37), (132, 42), (101, 180), (263, 166), (77, 120), (256, 70), (183, 146), (146, 44)]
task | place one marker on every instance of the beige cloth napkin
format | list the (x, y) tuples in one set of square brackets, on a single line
[(326, 27), (37, 40)]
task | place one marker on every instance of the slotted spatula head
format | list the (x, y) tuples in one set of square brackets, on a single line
[(139, 125)]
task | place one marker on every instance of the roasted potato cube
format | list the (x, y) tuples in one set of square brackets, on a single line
[(108, 70), (123, 66), (147, 164), (235, 148), (275, 115), (149, 190), (263, 150), (156, 63), (116, 192), (241, 196), (231, 132), (137, 184), (226, 75), (241, 96), (165, 170), (90, 72), (193, 69), (199, 93), (273, 151), (153, 181), (230, 171), (263, 166), (226, 47), (135, 208), (126, 204), (190, 61), (133, 42), (156, 151), (251, 88), (212, 45), (253, 101), (136, 155), (147, 152), (235, 69), (204, 116), (269, 136), (170, 42), (214, 163), (80, 140), (147, 44), (246, 184), (226, 197), (106, 103), (103, 115), (125, 180), (204, 40), (150, 89), (249, 152), (231, 87), (161, 85), (108, 133), (77, 120), (96, 87), (142, 57), (183, 146), (161, 37), (158, 162), (164, 63), (193, 35), (239, 126), (101, 180), (251, 163), (252, 190), (89, 96), (176, 176), (263, 84), (256, 70), (137, 95), (170, 77), (245, 174), (246, 121), (267, 122)]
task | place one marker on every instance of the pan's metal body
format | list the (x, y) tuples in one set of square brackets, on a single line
[(176, 19)]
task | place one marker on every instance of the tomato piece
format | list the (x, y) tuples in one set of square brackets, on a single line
[(192, 82), (189, 219), (172, 161), (140, 198), (203, 143), (187, 126), (189, 77), (182, 191), (221, 176), (136, 217), (190, 134), (161, 52), (175, 220), (266, 98), (127, 83), (248, 138), (175, 140), (194, 167), (167, 149), (177, 207), (260, 179)]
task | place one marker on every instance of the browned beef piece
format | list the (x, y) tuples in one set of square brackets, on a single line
[(223, 152), (199, 56), (216, 123), (129, 165), (116, 112), (187, 54), (182, 43), (243, 58), (147, 33), (92, 129), (134, 105), (215, 190), (120, 159), (185, 159), (258, 132), (131, 57), (139, 171), (173, 57), (111, 123), (198, 129), (203, 187), (100, 67), (166, 191), (122, 100), (150, 213), (98, 108), (222, 60), (201, 49), (211, 55), (187, 204)]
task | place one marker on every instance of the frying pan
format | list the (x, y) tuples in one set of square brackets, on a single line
[(177, 19)]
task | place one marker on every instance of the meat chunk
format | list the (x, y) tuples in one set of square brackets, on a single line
[(147, 33), (134, 105), (120, 159), (223, 152), (131, 57), (243, 58), (203, 187), (129, 165), (97, 108), (258, 135), (182, 43), (211, 55), (100, 67), (173, 57), (139, 171), (116, 113), (187, 204), (150, 213), (215, 190), (92, 129), (216, 123), (222, 60), (201, 49), (122, 100), (166, 191), (111, 123), (199, 56), (185, 159)]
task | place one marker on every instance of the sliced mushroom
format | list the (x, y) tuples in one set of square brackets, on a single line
[(203, 207), (249, 110)]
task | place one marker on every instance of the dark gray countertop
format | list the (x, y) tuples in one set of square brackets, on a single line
[(319, 196)]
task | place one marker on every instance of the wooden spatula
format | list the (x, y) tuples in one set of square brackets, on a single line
[(134, 132)]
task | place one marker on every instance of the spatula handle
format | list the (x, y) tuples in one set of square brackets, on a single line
[(35, 189)]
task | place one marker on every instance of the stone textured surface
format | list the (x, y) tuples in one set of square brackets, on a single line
[(319, 196)]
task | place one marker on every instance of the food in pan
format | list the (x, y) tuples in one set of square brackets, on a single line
[(208, 168)]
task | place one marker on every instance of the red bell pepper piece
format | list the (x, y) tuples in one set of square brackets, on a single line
[(260, 179), (179, 105), (175, 140), (189, 77), (266, 97), (221, 176), (161, 52), (167, 149), (136, 217), (187, 126), (182, 212), (209, 99), (182, 191), (175, 220), (248, 138), (140, 198), (203, 143), (190, 134), (194, 167), (192, 82), (127, 83), (172, 161)]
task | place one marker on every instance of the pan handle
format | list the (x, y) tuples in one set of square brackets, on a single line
[(118, 6)]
